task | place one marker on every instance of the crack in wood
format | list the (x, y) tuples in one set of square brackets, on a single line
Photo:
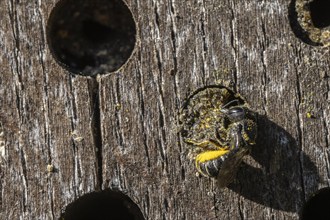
[(73, 119), (142, 115), (326, 135), (300, 135), (93, 86), (119, 134)]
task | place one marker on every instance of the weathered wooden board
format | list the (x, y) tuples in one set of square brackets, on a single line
[(48, 116)]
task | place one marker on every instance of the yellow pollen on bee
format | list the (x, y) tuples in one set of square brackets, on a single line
[(210, 155), (245, 136)]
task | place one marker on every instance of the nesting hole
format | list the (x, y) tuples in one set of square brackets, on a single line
[(91, 37), (108, 204), (320, 13), (308, 21), (317, 207)]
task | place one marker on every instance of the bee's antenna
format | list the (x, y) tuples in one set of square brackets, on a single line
[(229, 103)]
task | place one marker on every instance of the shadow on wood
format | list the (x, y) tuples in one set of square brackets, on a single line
[(278, 181)]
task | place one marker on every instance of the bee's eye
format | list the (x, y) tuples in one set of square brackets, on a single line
[(236, 113)]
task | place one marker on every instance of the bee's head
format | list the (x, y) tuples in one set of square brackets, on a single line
[(235, 113)]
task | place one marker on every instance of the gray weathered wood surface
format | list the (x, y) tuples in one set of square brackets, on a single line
[(47, 115)]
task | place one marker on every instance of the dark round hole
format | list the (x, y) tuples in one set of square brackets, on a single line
[(318, 206), (320, 13), (296, 27), (91, 37), (107, 204), (309, 21)]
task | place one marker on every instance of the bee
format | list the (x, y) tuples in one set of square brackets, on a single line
[(221, 128)]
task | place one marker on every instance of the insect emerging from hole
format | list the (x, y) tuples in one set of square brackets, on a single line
[(221, 129)]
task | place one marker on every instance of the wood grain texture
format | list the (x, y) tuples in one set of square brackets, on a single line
[(48, 116)]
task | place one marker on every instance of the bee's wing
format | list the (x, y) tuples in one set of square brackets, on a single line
[(230, 167)]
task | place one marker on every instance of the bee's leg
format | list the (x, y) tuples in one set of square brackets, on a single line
[(236, 137), (201, 144), (222, 136), (207, 163)]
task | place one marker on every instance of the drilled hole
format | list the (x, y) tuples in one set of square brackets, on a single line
[(317, 207), (91, 37), (106, 204), (310, 21), (320, 13)]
